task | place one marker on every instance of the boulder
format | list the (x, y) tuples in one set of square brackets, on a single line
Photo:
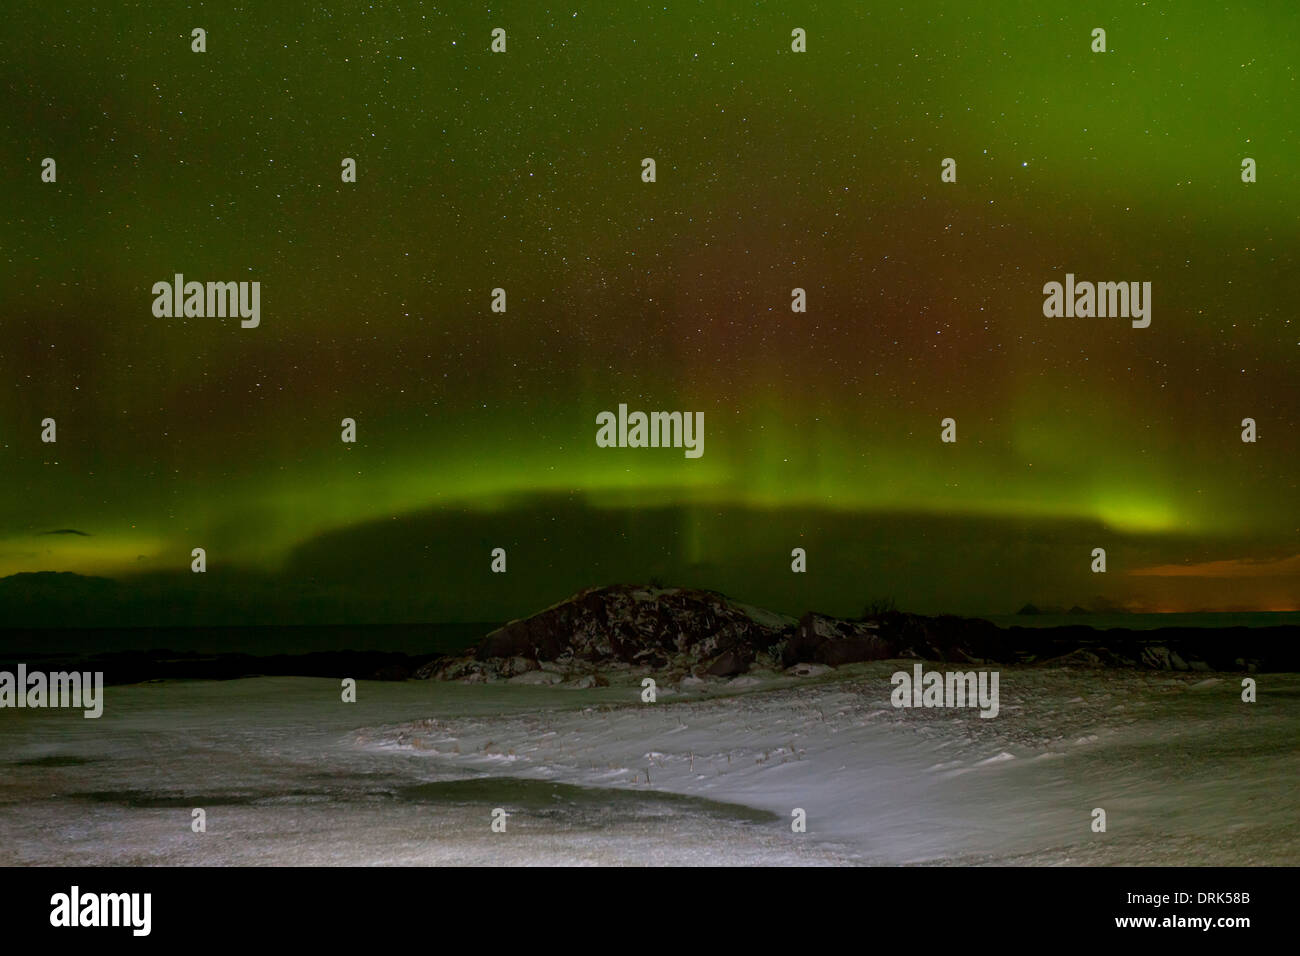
[(728, 664)]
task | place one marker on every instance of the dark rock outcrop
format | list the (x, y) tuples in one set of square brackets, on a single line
[(640, 626), (683, 631), (827, 640)]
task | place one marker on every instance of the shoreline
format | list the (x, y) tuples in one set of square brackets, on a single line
[(1233, 649)]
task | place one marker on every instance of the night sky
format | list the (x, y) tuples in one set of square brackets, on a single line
[(775, 170)]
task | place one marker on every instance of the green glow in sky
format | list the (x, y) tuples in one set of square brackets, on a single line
[(775, 170)]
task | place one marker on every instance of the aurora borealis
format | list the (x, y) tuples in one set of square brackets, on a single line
[(775, 170)]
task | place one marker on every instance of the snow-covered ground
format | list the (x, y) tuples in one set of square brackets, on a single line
[(287, 774)]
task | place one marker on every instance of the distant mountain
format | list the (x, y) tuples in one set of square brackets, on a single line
[(1051, 609), (45, 585), (55, 598), (223, 596)]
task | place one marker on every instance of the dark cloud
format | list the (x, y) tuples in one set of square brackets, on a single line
[(69, 531)]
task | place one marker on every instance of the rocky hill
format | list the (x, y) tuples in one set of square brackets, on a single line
[(696, 632), (686, 632)]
